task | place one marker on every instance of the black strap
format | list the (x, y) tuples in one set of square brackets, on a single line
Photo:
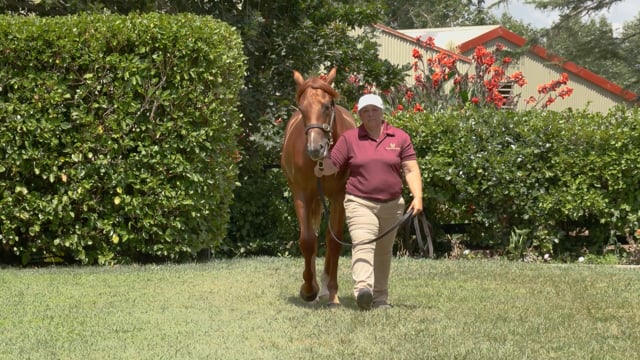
[(426, 227), (419, 223)]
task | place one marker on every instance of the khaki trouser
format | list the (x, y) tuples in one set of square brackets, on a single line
[(371, 263)]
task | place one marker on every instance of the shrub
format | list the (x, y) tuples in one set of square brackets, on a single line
[(118, 136), (552, 175)]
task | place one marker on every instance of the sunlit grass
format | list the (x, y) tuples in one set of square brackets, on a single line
[(249, 309)]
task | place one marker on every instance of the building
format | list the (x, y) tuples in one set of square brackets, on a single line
[(590, 91)]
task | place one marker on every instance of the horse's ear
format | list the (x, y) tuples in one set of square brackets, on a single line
[(298, 78), (331, 76)]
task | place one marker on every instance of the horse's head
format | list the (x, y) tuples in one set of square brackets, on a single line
[(315, 98)]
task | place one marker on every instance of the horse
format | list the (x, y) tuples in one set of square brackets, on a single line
[(309, 136)]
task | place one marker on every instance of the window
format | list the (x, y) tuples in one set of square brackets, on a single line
[(506, 90)]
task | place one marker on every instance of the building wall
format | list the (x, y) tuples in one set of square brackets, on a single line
[(398, 51)]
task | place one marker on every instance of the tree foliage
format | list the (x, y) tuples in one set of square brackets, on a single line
[(413, 14)]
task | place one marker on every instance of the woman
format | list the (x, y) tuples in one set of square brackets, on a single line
[(377, 155)]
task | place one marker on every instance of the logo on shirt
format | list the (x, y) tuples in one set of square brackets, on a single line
[(392, 146)]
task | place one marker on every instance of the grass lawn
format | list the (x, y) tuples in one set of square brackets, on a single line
[(249, 309)]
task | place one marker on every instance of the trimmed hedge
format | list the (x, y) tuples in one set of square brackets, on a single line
[(547, 175), (117, 135)]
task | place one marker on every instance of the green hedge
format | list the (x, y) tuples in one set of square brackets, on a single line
[(117, 135), (547, 175)]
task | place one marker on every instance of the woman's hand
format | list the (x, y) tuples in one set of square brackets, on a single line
[(328, 168), (414, 181), (416, 206)]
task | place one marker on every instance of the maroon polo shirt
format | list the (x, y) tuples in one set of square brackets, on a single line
[(375, 166)]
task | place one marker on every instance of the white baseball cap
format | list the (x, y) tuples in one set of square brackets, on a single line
[(370, 99)]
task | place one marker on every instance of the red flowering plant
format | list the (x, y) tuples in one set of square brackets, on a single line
[(438, 84), (550, 92), (490, 84)]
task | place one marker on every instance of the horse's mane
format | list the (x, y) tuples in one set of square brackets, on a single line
[(316, 83)]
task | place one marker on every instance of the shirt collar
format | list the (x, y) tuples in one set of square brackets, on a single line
[(387, 130)]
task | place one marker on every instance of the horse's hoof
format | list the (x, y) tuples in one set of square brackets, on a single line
[(333, 305), (308, 297)]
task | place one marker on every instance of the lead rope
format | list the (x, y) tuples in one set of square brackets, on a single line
[(418, 220)]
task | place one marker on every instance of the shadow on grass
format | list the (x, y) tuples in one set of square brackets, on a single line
[(345, 303), (319, 305)]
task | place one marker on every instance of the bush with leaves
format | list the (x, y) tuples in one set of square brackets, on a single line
[(552, 175), (118, 138)]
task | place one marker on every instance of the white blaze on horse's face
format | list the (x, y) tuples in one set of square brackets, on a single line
[(318, 116), (315, 102)]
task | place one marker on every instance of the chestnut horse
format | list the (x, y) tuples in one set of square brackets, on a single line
[(310, 133)]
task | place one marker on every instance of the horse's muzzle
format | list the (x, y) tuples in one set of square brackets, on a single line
[(318, 153), (317, 145)]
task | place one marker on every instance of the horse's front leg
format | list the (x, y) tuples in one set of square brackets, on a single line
[(308, 247), (336, 224)]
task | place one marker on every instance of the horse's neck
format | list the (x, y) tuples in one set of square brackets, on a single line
[(343, 122)]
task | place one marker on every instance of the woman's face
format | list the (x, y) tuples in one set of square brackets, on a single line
[(370, 115)]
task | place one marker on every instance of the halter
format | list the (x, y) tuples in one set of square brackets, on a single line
[(324, 127)]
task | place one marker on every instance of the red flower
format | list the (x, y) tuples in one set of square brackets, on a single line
[(447, 61), (549, 101), (436, 78), (428, 42), (564, 79), (408, 95), (479, 52), (416, 54), (543, 89), (506, 60), (518, 78), (531, 100), (475, 100), (417, 108), (418, 79), (400, 107), (565, 92), (483, 57)]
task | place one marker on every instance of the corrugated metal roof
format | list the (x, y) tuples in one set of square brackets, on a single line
[(451, 37)]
